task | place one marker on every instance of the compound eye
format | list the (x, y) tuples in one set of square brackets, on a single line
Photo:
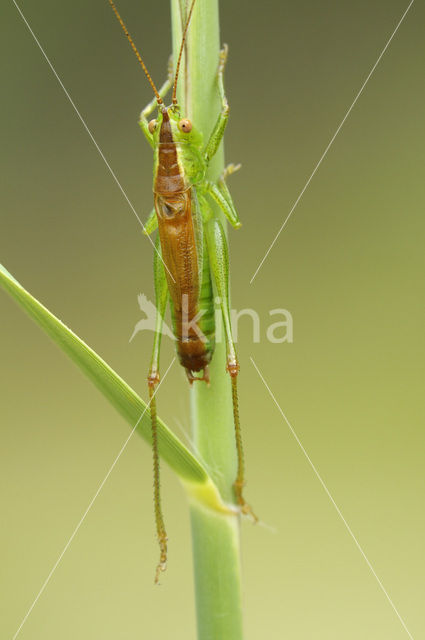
[(152, 126), (185, 125)]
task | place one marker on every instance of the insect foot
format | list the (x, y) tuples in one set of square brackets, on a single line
[(245, 508), (231, 168), (223, 58)]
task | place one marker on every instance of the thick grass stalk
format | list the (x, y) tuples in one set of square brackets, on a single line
[(216, 547)]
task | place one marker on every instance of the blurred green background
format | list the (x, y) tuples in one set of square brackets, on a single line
[(348, 266)]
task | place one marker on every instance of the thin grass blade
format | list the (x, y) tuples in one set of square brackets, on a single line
[(112, 386)]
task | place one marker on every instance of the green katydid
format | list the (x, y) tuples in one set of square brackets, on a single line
[(191, 257)]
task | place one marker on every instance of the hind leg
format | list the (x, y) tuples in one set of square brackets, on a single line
[(161, 298), (219, 261)]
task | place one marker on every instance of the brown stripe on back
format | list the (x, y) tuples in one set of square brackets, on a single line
[(168, 178), (180, 255)]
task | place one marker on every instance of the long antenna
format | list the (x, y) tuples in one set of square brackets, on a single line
[(138, 56), (181, 52)]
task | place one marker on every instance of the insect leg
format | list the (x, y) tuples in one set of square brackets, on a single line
[(231, 168), (161, 298), (221, 194), (218, 131), (219, 262), (143, 119), (151, 223)]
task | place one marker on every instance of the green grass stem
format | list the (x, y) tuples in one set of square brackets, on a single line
[(216, 545)]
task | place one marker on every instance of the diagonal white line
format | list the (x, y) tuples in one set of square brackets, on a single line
[(319, 477), (92, 501), (111, 171), (331, 142)]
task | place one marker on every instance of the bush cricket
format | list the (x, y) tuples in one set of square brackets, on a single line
[(191, 262)]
